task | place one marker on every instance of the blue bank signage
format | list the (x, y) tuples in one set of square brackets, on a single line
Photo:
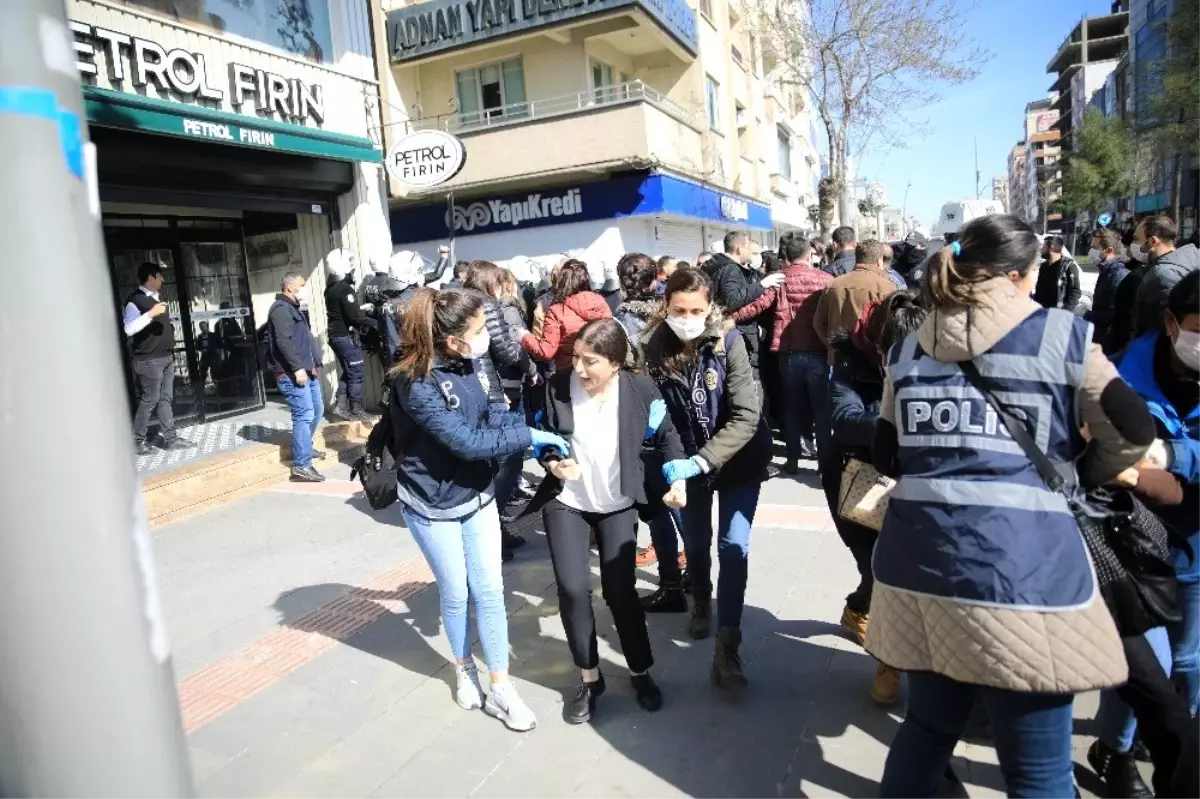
[(638, 195), (440, 26)]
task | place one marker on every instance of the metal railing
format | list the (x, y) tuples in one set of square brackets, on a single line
[(515, 113)]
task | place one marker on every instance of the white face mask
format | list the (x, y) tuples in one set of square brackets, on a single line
[(1138, 252), (1187, 348), (687, 327), (479, 344), (1095, 256)]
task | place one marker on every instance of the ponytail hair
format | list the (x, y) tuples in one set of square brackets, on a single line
[(985, 247), (430, 319)]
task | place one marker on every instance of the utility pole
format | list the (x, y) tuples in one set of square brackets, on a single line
[(977, 195), (89, 691)]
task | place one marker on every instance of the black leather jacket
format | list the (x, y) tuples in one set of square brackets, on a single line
[(504, 354)]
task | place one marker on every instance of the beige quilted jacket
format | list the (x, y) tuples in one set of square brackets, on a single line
[(1021, 650)]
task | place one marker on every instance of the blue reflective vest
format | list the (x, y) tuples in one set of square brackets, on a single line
[(970, 519)]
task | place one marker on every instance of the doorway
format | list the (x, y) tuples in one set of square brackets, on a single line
[(207, 291)]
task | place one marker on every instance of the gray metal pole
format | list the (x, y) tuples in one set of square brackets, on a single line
[(88, 698)]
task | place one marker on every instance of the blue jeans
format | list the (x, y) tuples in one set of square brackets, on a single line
[(307, 407), (1116, 720), (735, 515), (664, 531), (805, 378), (464, 555), (1185, 644), (1032, 734)]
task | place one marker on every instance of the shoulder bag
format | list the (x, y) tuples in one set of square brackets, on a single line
[(863, 494), (1128, 544)]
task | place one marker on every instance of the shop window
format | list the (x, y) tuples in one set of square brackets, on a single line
[(713, 94), (299, 27), (783, 141), (491, 92)]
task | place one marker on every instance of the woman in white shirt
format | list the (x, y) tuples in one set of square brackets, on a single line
[(607, 416)]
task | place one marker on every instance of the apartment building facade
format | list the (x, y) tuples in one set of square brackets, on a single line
[(1017, 179), (594, 128), (1043, 172)]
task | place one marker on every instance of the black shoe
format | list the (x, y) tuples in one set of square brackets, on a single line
[(581, 708), (772, 471), (340, 412), (144, 448), (1140, 753), (512, 540), (649, 695), (319, 454), (506, 554), (669, 598), (306, 474), (360, 415), (1118, 771), (176, 443), (791, 467), (808, 450)]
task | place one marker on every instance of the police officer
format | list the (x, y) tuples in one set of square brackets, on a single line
[(346, 322), (151, 336)]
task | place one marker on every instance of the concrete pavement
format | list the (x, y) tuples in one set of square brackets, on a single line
[(311, 662)]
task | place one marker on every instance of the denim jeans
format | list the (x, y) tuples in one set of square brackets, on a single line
[(307, 407), (806, 386), (350, 373), (464, 555), (1116, 720), (1185, 644), (1032, 734), (664, 530), (735, 515)]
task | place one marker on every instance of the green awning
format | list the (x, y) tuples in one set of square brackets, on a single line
[(135, 112)]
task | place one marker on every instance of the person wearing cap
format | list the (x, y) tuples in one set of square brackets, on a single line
[(346, 322)]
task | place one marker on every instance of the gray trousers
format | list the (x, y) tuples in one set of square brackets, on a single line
[(156, 389)]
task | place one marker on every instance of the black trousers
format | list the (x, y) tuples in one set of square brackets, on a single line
[(1165, 725), (858, 539), (616, 537)]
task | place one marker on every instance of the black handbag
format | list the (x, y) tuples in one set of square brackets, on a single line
[(1129, 545)]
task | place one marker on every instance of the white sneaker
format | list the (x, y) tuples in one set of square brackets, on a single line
[(467, 693), (504, 704)]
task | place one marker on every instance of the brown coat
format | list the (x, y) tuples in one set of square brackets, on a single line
[(844, 300)]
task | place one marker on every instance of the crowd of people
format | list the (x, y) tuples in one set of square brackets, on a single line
[(999, 422)]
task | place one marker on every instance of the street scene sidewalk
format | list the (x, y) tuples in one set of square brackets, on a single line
[(311, 662)]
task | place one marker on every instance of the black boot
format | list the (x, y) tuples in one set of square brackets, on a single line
[(727, 663), (359, 414), (581, 708), (669, 598), (340, 410), (700, 624), (649, 695), (1118, 771)]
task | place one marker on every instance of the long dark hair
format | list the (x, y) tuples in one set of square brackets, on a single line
[(485, 276), (987, 246), (637, 272), (606, 338), (674, 355), (431, 318), (570, 279), (892, 319)]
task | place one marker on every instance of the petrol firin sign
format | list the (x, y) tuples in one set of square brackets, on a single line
[(426, 158)]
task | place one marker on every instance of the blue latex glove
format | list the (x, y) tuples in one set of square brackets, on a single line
[(541, 439), (658, 412), (683, 469)]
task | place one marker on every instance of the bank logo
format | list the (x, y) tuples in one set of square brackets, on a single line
[(534, 208)]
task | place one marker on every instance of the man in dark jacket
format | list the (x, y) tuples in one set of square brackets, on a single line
[(293, 356), (1154, 245), (1106, 245), (1058, 280), (844, 240), (346, 324), (736, 284)]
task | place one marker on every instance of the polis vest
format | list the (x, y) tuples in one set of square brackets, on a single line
[(970, 518)]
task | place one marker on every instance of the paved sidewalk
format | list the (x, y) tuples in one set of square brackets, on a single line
[(311, 663)]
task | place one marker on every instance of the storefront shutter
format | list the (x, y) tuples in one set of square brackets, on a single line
[(678, 240)]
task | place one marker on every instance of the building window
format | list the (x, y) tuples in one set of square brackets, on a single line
[(712, 92), (299, 27), (490, 92), (784, 152), (737, 55), (706, 9), (607, 84)]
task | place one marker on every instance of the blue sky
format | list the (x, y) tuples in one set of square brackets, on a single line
[(1022, 35)]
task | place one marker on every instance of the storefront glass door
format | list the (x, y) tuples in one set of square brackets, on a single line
[(207, 290)]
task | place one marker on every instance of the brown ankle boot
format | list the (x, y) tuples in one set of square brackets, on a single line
[(727, 663)]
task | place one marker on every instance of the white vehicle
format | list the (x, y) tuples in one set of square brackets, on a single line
[(955, 215)]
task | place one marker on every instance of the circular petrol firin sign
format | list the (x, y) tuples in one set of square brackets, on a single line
[(426, 158)]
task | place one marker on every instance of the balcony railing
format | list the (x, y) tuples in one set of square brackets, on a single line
[(531, 110)]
